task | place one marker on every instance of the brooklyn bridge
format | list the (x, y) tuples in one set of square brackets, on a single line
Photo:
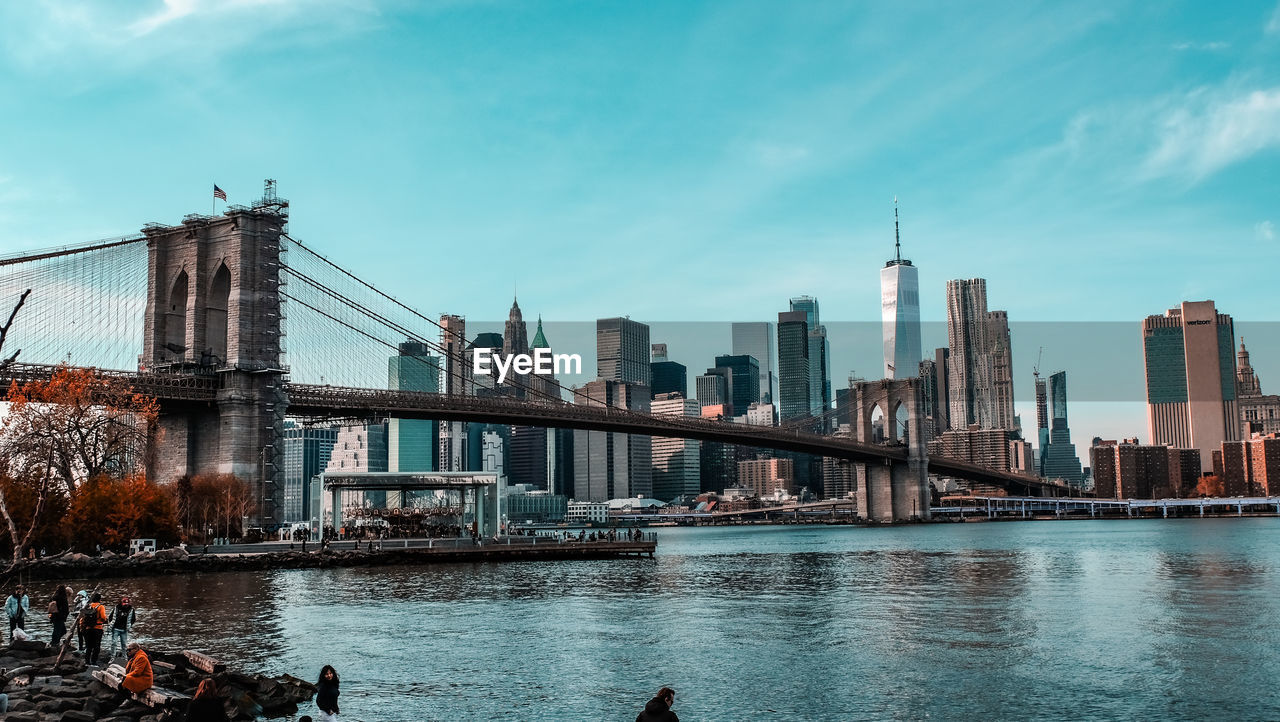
[(235, 326)]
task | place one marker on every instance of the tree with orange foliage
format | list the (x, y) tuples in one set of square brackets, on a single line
[(111, 511), (1208, 485), (78, 425)]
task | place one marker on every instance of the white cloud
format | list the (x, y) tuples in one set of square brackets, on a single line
[(1215, 45), (1266, 230), (1273, 25), (1206, 131)]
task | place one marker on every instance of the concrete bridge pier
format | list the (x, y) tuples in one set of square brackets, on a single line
[(896, 490)]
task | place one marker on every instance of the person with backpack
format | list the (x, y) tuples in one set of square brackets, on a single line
[(121, 621), (91, 621)]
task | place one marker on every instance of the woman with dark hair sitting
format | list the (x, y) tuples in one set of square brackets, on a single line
[(327, 694), (206, 705)]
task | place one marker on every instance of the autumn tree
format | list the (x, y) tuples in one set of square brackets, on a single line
[(111, 511), (215, 505), (78, 425)]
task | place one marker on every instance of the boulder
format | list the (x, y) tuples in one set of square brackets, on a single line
[(76, 715), (174, 554), (28, 645)]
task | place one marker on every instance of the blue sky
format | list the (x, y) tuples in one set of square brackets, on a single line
[(678, 160)]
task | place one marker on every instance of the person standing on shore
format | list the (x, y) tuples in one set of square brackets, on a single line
[(59, 609), (327, 694), (122, 619), (659, 708), (17, 606), (82, 601), (91, 621)]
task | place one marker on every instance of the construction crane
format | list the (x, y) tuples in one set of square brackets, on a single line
[(1036, 369)]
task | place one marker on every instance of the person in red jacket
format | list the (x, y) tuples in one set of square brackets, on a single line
[(137, 675)]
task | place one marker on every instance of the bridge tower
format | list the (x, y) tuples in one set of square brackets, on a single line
[(213, 308), (894, 490)]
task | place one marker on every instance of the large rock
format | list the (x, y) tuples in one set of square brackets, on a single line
[(76, 715), (28, 645), (174, 554)]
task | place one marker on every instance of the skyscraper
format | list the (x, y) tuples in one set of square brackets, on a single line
[(755, 339), (412, 444), (819, 354), (609, 465), (744, 380), (456, 377), (306, 453), (980, 373), (667, 376), (1058, 459), (1259, 412), (622, 351), (793, 365), (900, 312), (515, 340), (1191, 379), (676, 468), (714, 389)]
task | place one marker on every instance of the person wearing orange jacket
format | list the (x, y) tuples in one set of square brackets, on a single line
[(137, 675), (91, 621)]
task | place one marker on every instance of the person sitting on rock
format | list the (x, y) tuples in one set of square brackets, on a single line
[(137, 675)]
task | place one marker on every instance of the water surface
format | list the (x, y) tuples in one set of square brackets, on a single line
[(1135, 619)]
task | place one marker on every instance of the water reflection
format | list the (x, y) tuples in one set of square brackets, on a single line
[(1034, 620)]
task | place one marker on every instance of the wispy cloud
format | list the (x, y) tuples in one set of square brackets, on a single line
[(1207, 131), (1273, 25), (47, 36), (1265, 230), (1215, 45)]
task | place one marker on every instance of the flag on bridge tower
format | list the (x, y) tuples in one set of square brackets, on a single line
[(219, 193)]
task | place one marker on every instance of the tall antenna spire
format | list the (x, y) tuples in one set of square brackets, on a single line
[(897, 243)]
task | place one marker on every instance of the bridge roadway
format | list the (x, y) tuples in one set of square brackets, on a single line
[(317, 403)]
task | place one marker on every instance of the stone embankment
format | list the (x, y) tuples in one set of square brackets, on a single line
[(179, 561), (40, 690)]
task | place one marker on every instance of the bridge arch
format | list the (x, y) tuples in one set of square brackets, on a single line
[(215, 322), (175, 318)]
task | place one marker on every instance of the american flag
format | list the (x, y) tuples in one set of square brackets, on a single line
[(219, 193)]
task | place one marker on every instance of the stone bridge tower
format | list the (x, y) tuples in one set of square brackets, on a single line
[(213, 309), (895, 490)]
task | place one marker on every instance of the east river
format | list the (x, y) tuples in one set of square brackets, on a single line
[(1134, 619)]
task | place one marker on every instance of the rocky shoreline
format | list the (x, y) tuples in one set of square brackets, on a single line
[(41, 690), (179, 561)]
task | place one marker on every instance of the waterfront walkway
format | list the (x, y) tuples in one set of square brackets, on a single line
[(505, 547), (1027, 507)]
